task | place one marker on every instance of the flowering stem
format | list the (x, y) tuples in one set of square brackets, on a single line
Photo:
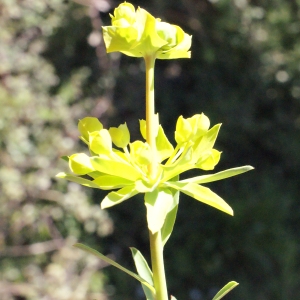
[(156, 246)]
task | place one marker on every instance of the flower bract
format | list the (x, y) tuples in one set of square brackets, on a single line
[(124, 169)]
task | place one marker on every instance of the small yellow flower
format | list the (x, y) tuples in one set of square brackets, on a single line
[(137, 33)]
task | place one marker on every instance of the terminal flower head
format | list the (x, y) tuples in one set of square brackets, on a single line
[(137, 33)]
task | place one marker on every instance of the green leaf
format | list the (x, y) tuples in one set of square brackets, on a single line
[(182, 164), (100, 142), (88, 125), (109, 182), (205, 143), (114, 198), (65, 158), (170, 218), (80, 164), (183, 130), (143, 129), (113, 263), (218, 176), (77, 179), (144, 271), (225, 290), (120, 136), (158, 204), (163, 146), (202, 194), (109, 166)]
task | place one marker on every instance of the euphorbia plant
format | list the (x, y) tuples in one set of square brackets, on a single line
[(151, 166)]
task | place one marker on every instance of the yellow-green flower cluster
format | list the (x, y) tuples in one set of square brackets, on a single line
[(124, 168), (137, 33)]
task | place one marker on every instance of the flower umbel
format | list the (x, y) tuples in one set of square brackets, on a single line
[(125, 168), (137, 33)]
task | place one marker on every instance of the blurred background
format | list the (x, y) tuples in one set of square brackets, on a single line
[(244, 73)]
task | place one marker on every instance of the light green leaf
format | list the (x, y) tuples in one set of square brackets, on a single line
[(225, 290), (218, 176), (77, 179), (88, 125), (202, 194), (182, 164), (109, 166), (205, 143), (183, 130), (143, 129), (163, 146), (200, 124), (113, 263), (209, 162), (144, 272), (120, 136), (170, 218), (158, 204), (80, 164), (173, 298), (140, 152), (114, 198), (109, 182), (142, 266), (100, 142)]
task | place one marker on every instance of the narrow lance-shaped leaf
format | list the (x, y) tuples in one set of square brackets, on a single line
[(114, 198), (144, 272), (218, 176), (170, 218), (77, 179), (225, 290), (113, 263), (109, 182), (202, 194)]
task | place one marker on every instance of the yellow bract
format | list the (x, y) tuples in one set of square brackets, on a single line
[(137, 33)]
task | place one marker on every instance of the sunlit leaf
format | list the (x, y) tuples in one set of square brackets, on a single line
[(120, 136), (113, 263), (182, 164), (100, 142), (108, 182), (80, 164), (140, 152), (202, 194), (88, 125), (210, 161), (77, 179), (205, 143), (119, 196), (183, 130), (109, 166), (225, 290), (163, 146), (167, 228), (158, 204), (144, 272), (218, 176)]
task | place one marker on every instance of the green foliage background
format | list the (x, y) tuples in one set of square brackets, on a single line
[(244, 72)]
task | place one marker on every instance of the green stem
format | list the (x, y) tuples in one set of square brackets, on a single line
[(158, 268), (156, 246)]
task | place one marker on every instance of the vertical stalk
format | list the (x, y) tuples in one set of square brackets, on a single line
[(156, 246)]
